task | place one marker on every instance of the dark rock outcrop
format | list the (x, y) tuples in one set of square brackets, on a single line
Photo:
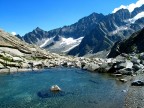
[(130, 45)]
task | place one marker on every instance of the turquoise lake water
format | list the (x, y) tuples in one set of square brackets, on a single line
[(80, 89)]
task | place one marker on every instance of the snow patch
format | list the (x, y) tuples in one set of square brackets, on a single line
[(64, 44), (45, 43), (118, 30), (138, 16), (71, 48), (68, 41), (130, 7)]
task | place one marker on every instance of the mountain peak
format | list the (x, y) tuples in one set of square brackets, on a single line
[(38, 29)]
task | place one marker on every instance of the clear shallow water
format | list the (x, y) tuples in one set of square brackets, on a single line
[(81, 89)]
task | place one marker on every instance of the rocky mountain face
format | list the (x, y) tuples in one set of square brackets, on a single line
[(35, 36), (133, 44), (90, 34), (75, 31), (67, 37), (112, 28)]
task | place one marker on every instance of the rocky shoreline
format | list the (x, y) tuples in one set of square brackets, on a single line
[(135, 94)]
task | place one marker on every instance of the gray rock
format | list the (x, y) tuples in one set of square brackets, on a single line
[(78, 64), (92, 67), (70, 64), (104, 67), (5, 70), (120, 59), (127, 64), (17, 59), (25, 65), (135, 60), (13, 69), (37, 64)]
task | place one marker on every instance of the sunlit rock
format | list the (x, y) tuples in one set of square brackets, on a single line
[(55, 88)]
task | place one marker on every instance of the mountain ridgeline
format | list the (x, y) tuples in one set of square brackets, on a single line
[(99, 32)]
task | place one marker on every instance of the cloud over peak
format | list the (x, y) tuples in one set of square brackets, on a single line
[(130, 7)]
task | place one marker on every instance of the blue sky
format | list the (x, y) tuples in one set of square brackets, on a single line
[(22, 16)]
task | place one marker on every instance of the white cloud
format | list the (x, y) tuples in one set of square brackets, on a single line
[(13, 33), (130, 7)]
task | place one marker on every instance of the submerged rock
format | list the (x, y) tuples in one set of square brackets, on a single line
[(49, 94), (55, 88)]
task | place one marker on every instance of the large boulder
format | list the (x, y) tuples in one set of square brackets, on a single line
[(70, 64), (120, 58), (78, 64), (13, 69), (91, 67), (122, 67), (5, 70), (135, 60), (25, 65), (126, 64), (104, 67), (137, 83), (37, 64), (129, 64), (17, 59)]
